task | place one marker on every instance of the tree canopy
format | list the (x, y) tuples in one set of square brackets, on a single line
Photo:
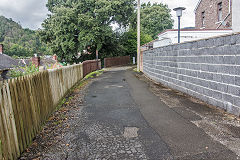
[(129, 41), (155, 18), (77, 25)]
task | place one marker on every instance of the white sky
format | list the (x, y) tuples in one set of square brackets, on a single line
[(31, 13), (188, 18)]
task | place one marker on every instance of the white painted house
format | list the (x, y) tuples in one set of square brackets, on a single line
[(235, 16), (171, 36), (207, 13)]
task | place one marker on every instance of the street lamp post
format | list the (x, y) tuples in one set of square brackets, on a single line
[(138, 36), (179, 15)]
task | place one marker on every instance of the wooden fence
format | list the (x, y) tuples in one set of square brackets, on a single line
[(90, 66), (116, 61), (27, 102)]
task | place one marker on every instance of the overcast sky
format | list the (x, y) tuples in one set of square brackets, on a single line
[(31, 13), (188, 18)]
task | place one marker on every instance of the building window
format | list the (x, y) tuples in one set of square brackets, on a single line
[(220, 12), (203, 19)]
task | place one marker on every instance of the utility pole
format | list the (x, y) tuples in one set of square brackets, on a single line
[(138, 36)]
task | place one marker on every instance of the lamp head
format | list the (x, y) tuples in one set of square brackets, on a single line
[(179, 11)]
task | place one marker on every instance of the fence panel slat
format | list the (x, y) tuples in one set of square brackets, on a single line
[(4, 132), (18, 119), (27, 102), (7, 141), (12, 121), (116, 61)]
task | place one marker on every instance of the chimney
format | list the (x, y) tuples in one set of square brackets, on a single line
[(55, 57), (36, 61), (1, 48)]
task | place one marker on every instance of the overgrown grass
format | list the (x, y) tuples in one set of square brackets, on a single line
[(66, 100), (93, 74), (22, 71), (135, 70)]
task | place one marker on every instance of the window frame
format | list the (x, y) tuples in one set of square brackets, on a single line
[(203, 18), (219, 11)]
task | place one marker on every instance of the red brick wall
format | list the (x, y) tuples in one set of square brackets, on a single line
[(1, 48), (211, 14), (36, 61), (55, 57)]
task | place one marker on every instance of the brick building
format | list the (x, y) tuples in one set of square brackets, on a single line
[(213, 14)]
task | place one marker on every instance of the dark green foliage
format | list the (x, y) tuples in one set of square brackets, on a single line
[(111, 47), (74, 26), (18, 41), (129, 41), (61, 33), (22, 71), (155, 18), (77, 25)]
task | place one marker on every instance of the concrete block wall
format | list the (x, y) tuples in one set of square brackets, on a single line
[(207, 69)]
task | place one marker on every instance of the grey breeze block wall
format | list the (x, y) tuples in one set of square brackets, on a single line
[(207, 69)]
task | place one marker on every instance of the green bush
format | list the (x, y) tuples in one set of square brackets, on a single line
[(22, 71)]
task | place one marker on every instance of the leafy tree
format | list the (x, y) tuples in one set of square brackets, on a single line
[(77, 25), (61, 32), (155, 18), (112, 47), (129, 41)]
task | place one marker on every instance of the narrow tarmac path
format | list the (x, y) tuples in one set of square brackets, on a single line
[(121, 119)]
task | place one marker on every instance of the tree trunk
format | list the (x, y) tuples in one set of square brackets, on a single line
[(97, 59), (97, 54)]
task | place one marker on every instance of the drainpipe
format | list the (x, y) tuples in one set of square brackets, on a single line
[(229, 12)]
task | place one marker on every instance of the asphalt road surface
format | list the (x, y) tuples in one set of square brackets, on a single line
[(122, 119)]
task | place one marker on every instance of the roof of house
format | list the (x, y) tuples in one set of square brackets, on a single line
[(197, 5), (149, 43), (2, 68), (43, 61), (7, 62), (47, 62)]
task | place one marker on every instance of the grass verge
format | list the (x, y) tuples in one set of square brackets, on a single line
[(93, 74), (68, 97), (135, 70)]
